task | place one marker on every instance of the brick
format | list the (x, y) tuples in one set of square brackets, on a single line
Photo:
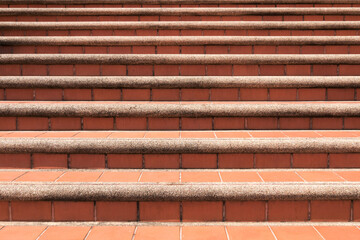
[(258, 32), (325, 70), (216, 49), (341, 94), (330, 210), (272, 160), (31, 211), (199, 160), (10, 70), (168, 49), (196, 123), (240, 50), (116, 211), (7, 123), (278, 94), (2, 94), (351, 123), (87, 70), (60, 123), (261, 123), (124, 160), (236, 160), (46, 161), (33, 123), (344, 160), (195, 94), (310, 160), (312, 94), (288, 50), (279, 33), (272, 70), (15, 161), (353, 50), (166, 70), (140, 70), (192, 70), (192, 50), (229, 123), (219, 70), (34, 70), (245, 211), (336, 49), (143, 49), (113, 70), (356, 207), (47, 49), (23, 49), (160, 211), (294, 123), (246, 70), (77, 94), (147, 32), (253, 94), (72, 50), (324, 32), (213, 32), (224, 94), (168, 32), (90, 123), (95, 50), (162, 161), (4, 211), (202, 211), (107, 94), (73, 211), (165, 94), (96, 161), (136, 94), (163, 123), (124, 33), (19, 94), (235, 32), (102, 32), (298, 70), (312, 50), (260, 49), (327, 123), (119, 49), (61, 70), (272, 18), (48, 94), (124, 123), (287, 211), (349, 70)]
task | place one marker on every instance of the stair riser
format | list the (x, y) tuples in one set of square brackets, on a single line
[(179, 161), (173, 123), (193, 94), (187, 211)]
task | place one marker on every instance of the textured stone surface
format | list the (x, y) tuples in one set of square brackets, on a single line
[(269, 145)]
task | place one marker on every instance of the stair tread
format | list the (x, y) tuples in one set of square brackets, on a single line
[(177, 231)]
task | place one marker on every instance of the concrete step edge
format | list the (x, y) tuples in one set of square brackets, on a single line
[(171, 82), (205, 25), (177, 192), (191, 145), (180, 59), (179, 40)]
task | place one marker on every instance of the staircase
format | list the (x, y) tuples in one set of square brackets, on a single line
[(179, 119)]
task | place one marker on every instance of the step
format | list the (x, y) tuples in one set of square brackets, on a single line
[(192, 28), (199, 196), (180, 88), (201, 149), (182, 45), (180, 64), (186, 231), (178, 115)]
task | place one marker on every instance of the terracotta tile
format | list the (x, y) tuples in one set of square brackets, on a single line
[(310, 160), (203, 232), (330, 210), (272, 160), (236, 160), (127, 135), (92, 134), (157, 233), (9, 176), (319, 176), (199, 177), (4, 211), (79, 177), (111, 232), (160, 177), (65, 232), (267, 134), (39, 176), (94, 161), (47, 161), (21, 232), (160, 211), (73, 211), (240, 176), (31, 210), (277, 176), (162, 161), (295, 232), (185, 134), (116, 211), (57, 135), (120, 177), (124, 160), (339, 232), (344, 160), (15, 161), (164, 134), (250, 232), (245, 211), (195, 160), (352, 176), (232, 134), (281, 211)]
